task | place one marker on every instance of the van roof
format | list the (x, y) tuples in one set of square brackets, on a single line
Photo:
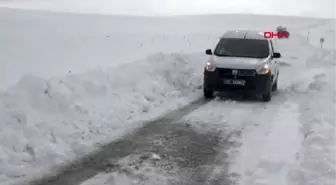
[(245, 34)]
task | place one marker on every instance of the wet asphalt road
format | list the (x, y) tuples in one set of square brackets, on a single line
[(186, 152)]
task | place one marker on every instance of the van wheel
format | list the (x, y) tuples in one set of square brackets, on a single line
[(208, 94), (267, 97), (275, 86)]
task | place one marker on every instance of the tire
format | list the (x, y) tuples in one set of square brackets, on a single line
[(275, 86), (208, 94), (266, 97)]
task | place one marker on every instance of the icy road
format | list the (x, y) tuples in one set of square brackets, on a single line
[(143, 121)]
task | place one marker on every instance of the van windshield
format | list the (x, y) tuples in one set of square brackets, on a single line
[(251, 48)]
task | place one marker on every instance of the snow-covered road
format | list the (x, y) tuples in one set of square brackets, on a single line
[(289, 141)]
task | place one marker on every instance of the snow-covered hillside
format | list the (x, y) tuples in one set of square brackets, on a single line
[(53, 44), (127, 69)]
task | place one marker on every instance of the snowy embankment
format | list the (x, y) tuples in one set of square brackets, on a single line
[(141, 74), (316, 159), (45, 122)]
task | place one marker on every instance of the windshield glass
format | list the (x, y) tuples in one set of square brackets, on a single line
[(242, 48)]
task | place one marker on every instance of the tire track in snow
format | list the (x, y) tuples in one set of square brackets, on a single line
[(216, 170), (194, 158), (230, 120), (188, 156), (276, 154), (139, 141)]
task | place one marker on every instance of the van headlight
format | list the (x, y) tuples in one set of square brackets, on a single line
[(209, 67), (263, 70)]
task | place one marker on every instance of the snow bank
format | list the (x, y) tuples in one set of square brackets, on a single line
[(45, 122), (300, 148), (317, 107)]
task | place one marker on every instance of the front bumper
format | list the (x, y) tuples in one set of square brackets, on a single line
[(254, 83)]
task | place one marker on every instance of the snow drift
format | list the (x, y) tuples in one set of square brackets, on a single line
[(45, 122)]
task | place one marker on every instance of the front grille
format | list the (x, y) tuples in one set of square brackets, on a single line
[(248, 75), (246, 72), (227, 72), (224, 72)]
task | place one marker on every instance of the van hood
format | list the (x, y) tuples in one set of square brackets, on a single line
[(238, 62)]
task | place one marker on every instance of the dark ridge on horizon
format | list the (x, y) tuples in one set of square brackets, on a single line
[(253, 14), (160, 16)]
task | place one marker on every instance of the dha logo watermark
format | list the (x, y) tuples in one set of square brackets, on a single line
[(270, 35)]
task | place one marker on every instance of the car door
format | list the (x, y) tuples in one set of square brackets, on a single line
[(274, 61)]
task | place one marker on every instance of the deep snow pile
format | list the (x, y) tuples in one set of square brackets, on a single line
[(47, 121)]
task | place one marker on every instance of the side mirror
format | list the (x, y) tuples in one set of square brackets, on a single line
[(276, 55), (208, 52)]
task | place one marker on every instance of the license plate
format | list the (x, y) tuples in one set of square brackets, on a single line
[(234, 82)]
